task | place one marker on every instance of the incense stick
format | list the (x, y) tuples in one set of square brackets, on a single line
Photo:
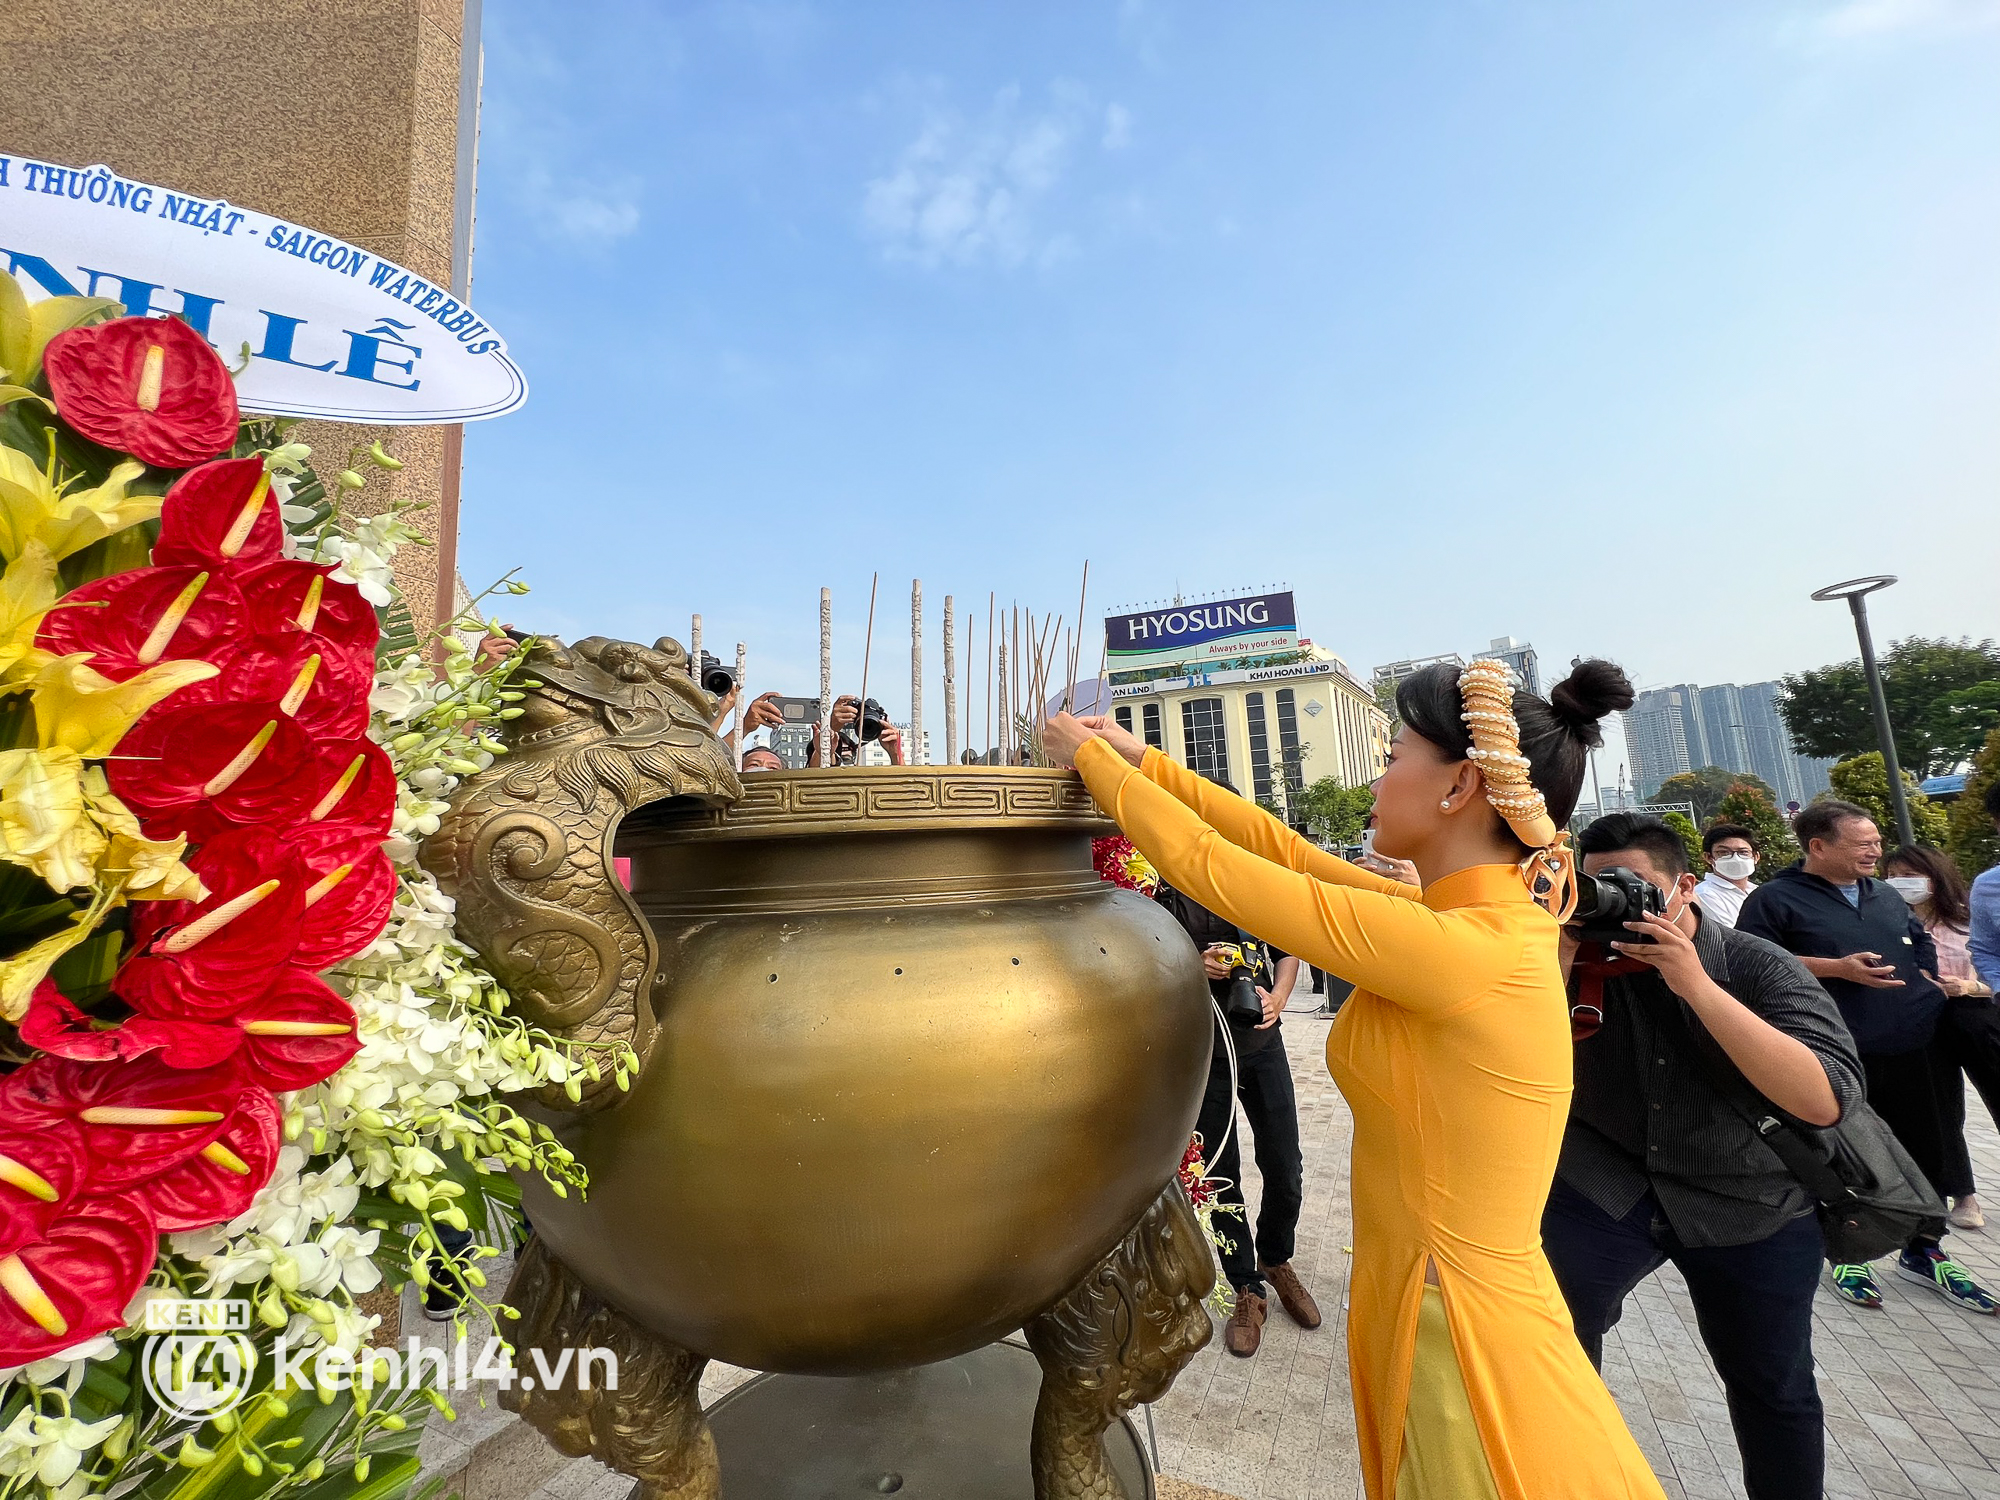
[(950, 687), (826, 677), (867, 647), (1082, 594)]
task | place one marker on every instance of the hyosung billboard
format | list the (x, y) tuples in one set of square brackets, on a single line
[(1214, 632)]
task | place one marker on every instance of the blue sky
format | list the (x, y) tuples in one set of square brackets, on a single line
[(1617, 327)]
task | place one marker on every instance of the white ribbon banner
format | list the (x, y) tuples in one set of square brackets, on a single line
[(332, 330)]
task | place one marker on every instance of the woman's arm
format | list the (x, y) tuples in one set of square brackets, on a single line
[(1399, 948), (1248, 826)]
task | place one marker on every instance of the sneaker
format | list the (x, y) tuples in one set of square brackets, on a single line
[(1945, 1276), (1967, 1214), (444, 1296), (1856, 1284)]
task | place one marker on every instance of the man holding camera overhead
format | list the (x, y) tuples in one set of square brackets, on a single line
[(1684, 1028), (1250, 981)]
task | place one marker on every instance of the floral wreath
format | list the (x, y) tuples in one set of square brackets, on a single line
[(241, 1052)]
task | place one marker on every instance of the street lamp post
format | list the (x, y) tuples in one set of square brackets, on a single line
[(1856, 591)]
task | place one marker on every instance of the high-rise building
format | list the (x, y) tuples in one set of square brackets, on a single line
[(1393, 673), (1517, 654), (1521, 657), (1684, 727), (793, 743), (1663, 735)]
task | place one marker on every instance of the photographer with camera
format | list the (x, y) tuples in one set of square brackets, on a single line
[(1250, 981), (1677, 1017), (856, 724)]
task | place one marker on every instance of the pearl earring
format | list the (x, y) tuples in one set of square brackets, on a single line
[(1445, 804)]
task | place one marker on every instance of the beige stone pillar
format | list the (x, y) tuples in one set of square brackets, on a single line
[(342, 115)]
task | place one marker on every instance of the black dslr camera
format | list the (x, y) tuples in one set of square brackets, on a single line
[(1606, 902), (714, 677), (873, 717)]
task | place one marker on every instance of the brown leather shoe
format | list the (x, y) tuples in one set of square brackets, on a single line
[(1292, 1294), (1245, 1329)]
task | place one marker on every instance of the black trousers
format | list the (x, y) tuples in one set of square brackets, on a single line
[(1264, 1084), (1919, 1097), (1969, 1038), (1752, 1302)]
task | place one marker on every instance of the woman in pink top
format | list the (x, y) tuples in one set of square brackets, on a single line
[(1970, 1027)]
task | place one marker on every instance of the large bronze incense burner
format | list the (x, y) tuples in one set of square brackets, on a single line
[(911, 1076)]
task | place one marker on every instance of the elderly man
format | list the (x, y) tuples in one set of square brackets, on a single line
[(1859, 938)]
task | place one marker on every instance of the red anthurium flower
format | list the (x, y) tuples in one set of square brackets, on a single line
[(348, 903), (74, 1282), (205, 960), (55, 1026), (353, 787), (60, 1029), (150, 387), (297, 1032), (218, 1182), (321, 685), (137, 1118), (220, 516), (40, 1172), (129, 621), (290, 1037), (304, 596), (202, 769)]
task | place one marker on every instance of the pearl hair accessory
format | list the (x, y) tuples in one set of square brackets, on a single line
[(1487, 688)]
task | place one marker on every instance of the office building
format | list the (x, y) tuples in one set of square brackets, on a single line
[(1263, 729), (1669, 730), (1517, 654), (1521, 657)]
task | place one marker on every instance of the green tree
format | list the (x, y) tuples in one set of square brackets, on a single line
[(1333, 811), (1690, 836), (1706, 788), (1972, 841), (1944, 699), (1753, 806), (1861, 779)]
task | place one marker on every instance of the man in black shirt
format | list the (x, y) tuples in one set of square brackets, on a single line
[(1264, 1084), (1869, 951), (1677, 1040)]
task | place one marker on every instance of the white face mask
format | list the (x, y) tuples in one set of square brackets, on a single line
[(1733, 866), (1912, 888)]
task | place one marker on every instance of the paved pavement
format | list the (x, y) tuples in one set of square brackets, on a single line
[(1912, 1392)]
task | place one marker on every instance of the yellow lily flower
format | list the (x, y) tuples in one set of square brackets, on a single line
[(67, 520), (26, 327), (23, 971), (84, 711), (150, 869), (42, 822), (27, 590)]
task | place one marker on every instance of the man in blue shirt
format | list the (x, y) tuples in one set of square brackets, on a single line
[(1860, 939), (1985, 939)]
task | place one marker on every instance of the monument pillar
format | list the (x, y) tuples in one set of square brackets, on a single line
[(358, 118)]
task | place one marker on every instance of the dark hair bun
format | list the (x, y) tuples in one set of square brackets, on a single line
[(1592, 690)]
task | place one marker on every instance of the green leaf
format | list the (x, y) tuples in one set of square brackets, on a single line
[(85, 973), (120, 552)]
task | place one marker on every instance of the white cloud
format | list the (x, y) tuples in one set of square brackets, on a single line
[(1117, 127), (1868, 18), (974, 192), (595, 214)]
